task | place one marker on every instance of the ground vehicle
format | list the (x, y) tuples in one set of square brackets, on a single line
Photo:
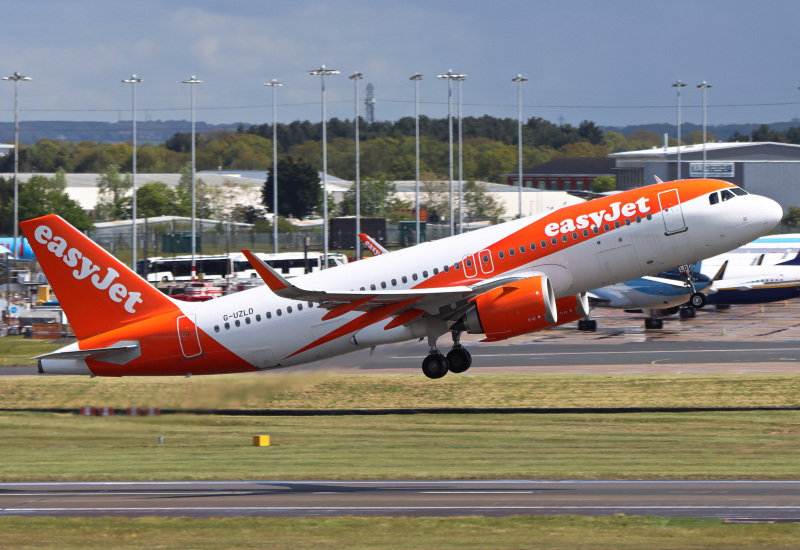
[(219, 266)]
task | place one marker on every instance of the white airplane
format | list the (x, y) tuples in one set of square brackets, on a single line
[(658, 296), (735, 284), (502, 281)]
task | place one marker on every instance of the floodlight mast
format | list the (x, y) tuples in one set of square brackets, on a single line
[(519, 80), (274, 84), (355, 77), (450, 76), (193, 80), (322, 72), (16, 78), (416, 78), (678, 85), (133, 81)]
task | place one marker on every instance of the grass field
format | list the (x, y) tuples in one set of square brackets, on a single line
[(17, 351), (319, 390), (736, 445), (568, 532)]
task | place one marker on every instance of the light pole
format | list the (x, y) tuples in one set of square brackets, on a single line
[(274, 84), (133, 80), (678, 85), (416, 78), (355, 77), (460, 78), (192, 81), (519, 80), (704, 86), (16, 78), (322, 72), (450, 76)]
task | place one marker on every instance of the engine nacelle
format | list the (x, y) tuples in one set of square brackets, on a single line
[(572, 308), (511, 310)]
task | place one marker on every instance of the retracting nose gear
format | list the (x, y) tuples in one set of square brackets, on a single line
[(697, 300)]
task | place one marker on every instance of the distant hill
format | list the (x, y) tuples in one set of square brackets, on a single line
[(721, 132), (158, 131), (151, 131)]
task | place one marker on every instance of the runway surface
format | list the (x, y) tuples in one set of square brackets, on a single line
[(739, 500)]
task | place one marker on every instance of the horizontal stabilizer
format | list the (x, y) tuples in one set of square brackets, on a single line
[(120, 353)]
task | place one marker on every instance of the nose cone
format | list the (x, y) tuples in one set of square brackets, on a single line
[(771, 211)]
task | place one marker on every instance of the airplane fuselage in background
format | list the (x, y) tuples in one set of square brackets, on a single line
[(505, 280)]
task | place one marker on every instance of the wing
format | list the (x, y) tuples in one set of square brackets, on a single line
[(429, 300)]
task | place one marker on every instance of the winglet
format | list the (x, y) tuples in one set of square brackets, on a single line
[(274, 280), (372, 244)]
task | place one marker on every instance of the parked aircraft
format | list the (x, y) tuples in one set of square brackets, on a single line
[(657, 296), (758, 284), (21, 249), (502, 281)]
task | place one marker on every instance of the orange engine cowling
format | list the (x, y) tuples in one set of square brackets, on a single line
[(510, 310), (572, 308)]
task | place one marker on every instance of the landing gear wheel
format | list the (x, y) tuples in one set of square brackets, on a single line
[(697, 300), (434, 366), (653, 324), (587, 325), (688, 313), (458, 360)]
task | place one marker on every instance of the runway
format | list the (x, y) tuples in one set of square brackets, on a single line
[(733, 500)]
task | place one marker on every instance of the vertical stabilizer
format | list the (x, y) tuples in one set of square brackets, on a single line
[(96, 291)]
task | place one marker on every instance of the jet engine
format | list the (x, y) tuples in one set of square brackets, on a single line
[(516, 308)]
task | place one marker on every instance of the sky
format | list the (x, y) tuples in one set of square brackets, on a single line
[(611, 61)]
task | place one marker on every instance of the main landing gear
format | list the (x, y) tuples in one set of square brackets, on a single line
[(458, 359)]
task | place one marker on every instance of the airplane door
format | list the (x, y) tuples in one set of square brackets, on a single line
[(671, 211), (487, 266), (187, 336), (470, 268)]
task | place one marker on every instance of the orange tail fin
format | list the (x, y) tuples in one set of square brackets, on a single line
[(97, 292)]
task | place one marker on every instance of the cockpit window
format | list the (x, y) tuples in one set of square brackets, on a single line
[(738, 191), (727, 195), (713, 198)]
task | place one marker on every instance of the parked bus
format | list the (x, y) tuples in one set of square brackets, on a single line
[(221, 266)]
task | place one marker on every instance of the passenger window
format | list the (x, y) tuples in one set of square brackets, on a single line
[(447, 269), (501, 255), (279, 312), (485, 258), (458, 266), (713, 198), (533, 246), (383, 284), (414, 276), (425, 274), (585, 232), (522, 249), (554, 241), (216, 328), (394, 282), (237, 322), (289, 309), (269, 315), (510, 251), (564, 238), (544, 244), (404, 279), (258, 317)]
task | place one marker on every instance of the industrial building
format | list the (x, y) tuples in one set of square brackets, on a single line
[(764, 168)]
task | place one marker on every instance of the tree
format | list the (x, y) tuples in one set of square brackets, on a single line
[(41, 195), (112, 201), (299, 189), (378, 200), (479, 204), (604, 184), (155, 199)]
